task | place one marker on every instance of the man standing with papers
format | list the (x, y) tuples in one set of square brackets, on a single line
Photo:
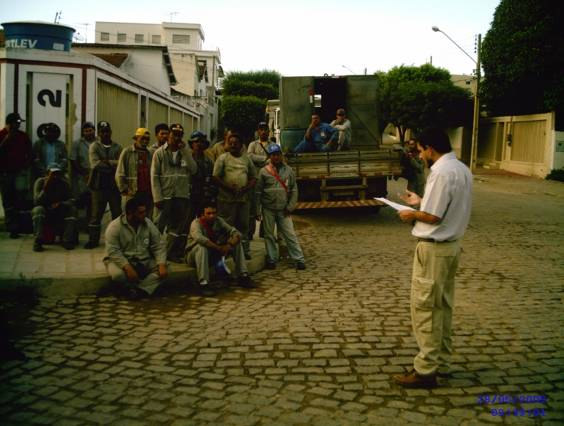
[(440, 223)]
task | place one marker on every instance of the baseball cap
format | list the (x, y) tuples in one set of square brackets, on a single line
[(104, 125), (88, 125), (262, 125), (176, 127), (141, 131), (54, 167), (274, 149), (196, 134), (14, 117)]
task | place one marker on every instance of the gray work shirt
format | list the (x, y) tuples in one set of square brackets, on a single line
[(270, 192), (123, 242), (234, 170), (171, 173), (198, 235), (257, 152)]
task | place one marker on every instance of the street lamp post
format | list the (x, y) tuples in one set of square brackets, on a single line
[(476, 115)]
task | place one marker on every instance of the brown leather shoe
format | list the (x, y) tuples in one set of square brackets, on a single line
[(416, 380)]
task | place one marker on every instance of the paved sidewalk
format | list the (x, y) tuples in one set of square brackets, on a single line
[(63, 273)]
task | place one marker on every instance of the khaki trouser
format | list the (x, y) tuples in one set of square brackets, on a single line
[(432, 301)]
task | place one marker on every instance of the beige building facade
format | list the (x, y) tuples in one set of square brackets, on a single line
[(197, 71)]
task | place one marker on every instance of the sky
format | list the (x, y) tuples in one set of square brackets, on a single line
[(293, 37)]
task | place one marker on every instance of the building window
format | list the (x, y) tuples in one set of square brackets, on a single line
[(104, 36), (121, 37), (156, 39), (139, 38), (180, 39)]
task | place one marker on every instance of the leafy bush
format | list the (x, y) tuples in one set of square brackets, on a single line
[(242, 113)]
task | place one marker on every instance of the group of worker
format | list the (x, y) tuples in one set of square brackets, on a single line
[(182, 201)]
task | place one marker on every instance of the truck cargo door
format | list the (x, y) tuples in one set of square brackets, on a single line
[(295, 108), (363, 112)]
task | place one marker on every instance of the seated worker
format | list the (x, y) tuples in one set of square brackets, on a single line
[(341, 140), (49, 149), (277, 195), (54, 207), (317, 136), (210, 239), (135, 251)]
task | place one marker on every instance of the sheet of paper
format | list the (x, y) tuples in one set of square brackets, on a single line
[(393, 205)]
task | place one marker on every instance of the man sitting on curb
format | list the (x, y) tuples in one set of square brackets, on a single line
[(277, 195), (135, 251), (210, 239), (54, 206)]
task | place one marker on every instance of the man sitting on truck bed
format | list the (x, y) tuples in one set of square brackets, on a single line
[(341, 140), (316, 137)]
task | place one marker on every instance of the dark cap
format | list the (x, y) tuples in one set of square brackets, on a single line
[(196, 134), (274, 149), (104, 125), (262, 125), (52, 127), (88, 125), (54, 167), (13, 117), (176, 127)]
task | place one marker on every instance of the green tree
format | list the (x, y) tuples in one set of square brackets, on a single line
[(242, 113), (244, 99), (523, 59), (418, 97)]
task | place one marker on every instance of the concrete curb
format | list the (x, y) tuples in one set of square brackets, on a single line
[(59, 273)]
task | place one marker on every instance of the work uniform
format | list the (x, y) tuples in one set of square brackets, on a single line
[(343, 136), (448, 195), (200, 256), (273, 199), (133, 175), (144, 246), (103, 160), (202, 186), (46, 153), (171, 176), (61, 218), (413, 169), (15, 163), (235, 208), (319, 136), (257, 152), (80, 191)]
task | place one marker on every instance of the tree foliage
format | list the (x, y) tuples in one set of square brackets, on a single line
[(418, 97), (244, 99), (523, 59), (243, 113)]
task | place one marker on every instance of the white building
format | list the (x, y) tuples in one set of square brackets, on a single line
[(197, 71)]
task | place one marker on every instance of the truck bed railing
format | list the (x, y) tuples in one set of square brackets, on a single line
[(343, 164)]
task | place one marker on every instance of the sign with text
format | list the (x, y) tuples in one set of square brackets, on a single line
[(49, 101)]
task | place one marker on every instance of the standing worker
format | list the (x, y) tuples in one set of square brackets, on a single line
[(80, 167), (413, 168), (15, 162), (235, 175), (133, 174), (104, 155), (203, 189), (440, 224), (172, 168), (277, 196), (258, 153)]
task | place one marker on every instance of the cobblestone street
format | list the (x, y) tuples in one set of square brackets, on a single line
[(317, 346)]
